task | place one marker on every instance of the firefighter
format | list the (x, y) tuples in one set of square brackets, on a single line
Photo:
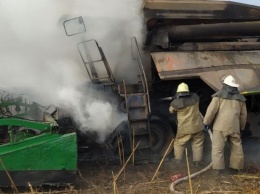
[(227, 112), (190, 125)]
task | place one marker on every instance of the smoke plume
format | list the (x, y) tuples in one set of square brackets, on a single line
[(38, 59)]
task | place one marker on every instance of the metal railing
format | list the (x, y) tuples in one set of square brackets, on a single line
[(141, 69)]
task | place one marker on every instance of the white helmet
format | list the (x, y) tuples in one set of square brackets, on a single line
[(230, 81)]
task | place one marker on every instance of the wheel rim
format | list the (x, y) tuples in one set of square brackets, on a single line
[(161, 136)]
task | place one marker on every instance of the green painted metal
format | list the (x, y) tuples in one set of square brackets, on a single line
[(26, 123), (42, 152), (249, 93), (47, 150), (34, 148), (20, 134), (6, 108)]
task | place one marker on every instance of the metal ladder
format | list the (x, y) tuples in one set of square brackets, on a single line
[(98, 68), (136, 95), (138, 111), (91, 54)]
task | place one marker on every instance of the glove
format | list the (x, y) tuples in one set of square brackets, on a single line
[(205, 127)]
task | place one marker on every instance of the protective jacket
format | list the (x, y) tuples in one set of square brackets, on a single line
[(188, 115), (227, 111), (189, 125)]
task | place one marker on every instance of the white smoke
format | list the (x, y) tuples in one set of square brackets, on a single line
[(37, 58)]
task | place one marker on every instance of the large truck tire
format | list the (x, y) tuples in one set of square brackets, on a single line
[(162, 134)]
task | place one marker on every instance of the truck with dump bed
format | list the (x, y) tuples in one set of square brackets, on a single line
[(196, 42)]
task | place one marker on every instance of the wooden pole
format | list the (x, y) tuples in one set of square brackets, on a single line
[(133, 161), (188, 166), (119, 150), (9, 176), (123, 167), (170, 145)]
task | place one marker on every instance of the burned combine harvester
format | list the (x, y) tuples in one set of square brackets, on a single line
[(34, 148), (197, 42)]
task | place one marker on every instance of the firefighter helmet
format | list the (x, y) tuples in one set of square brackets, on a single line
[(183, 88), (230, 81)]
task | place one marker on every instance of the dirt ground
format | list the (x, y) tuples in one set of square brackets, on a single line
[(97, 178), (137, 179)]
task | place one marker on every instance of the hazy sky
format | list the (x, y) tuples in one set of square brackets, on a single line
[(252, 2)]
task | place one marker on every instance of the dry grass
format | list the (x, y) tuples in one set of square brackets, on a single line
[(97, 179), (103, 178)]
